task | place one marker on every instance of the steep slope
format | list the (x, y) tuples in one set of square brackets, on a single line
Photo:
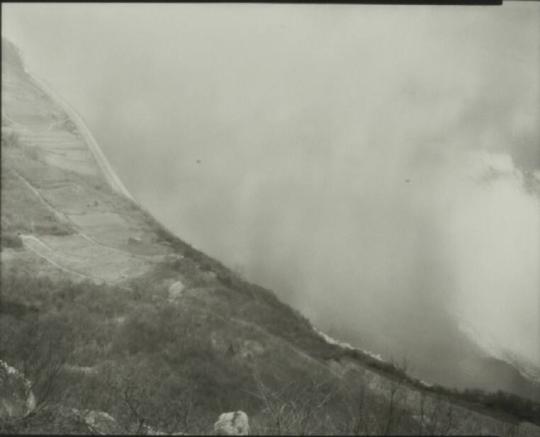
[(147, 320), (53, 165)]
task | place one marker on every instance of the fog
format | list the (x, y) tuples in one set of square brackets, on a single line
[(377, 166)]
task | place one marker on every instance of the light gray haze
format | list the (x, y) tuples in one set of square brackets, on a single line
[(369, 163)]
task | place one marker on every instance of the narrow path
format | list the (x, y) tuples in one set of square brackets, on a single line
[(101, 160), (45, 202)]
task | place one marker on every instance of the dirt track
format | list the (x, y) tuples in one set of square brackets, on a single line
[(111, 177)]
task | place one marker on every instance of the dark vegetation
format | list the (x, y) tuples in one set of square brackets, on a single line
[(499, 403), (153, 363), (148, 358), (68, 125), (303, 336), (149, 362), (11, 240), (263, 307), (502, 402), (10, 138)]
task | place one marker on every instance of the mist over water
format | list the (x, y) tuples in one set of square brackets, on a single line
[(368, 163)]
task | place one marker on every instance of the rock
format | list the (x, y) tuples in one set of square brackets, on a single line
[(173, 257), (250, 349), (85, 370), (175, 290), (219, 342), (232, 423), (62, 419), (100, 422), (16, 397), (148, 430)]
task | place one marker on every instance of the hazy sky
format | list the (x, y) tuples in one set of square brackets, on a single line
[(343, 150)]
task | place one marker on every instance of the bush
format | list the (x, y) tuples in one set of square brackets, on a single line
[(10, 138), (160, 366), (11, 240), (58, 229)]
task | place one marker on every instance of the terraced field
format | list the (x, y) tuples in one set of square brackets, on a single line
[(62, 149), (79, 256), (62, 200)]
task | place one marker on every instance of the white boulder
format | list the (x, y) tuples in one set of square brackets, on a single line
[(16, 397), (100, 422), (232, 423), (175, 290)]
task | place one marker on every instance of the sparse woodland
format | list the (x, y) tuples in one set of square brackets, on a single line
[(153, 365)]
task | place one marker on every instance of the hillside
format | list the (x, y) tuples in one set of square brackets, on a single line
[(104, 309)]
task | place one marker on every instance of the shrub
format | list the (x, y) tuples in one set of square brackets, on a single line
[(10, 240), (10, 138), (159, 366), (55, 228)]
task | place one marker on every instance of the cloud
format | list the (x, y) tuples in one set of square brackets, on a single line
[(308, 122)]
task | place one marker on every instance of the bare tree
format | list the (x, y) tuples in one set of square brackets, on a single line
[(297, 409)]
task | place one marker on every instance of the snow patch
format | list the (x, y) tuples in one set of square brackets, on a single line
[(424, 383), (331, 340)]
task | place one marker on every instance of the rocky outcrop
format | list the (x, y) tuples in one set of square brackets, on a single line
[(175, 291), (100, 422), (232, 423), (16, 397), (148, 430), (17, 401), (249, 349), (62, 419)]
